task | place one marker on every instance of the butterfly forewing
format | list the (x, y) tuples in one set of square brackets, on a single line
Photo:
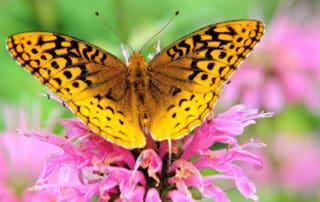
[(90, 80), (190, 73)]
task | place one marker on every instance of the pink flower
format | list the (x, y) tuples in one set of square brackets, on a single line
[(21, 157), (296, 161), (297, 167), (90, 167), (283, 69)]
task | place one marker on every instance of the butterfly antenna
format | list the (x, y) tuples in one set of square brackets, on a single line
[(158, 32), (112, 30)]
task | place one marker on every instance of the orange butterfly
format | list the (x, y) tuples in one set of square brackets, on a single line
[(168, 97)]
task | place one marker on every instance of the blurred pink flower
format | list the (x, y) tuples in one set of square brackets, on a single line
[(90, 167), (284, 68), (21, 157), (292, 162), (299, 168)]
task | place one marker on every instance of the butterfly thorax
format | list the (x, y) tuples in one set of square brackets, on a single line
[(139, 80)]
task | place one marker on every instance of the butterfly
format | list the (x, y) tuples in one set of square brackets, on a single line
[(166, 98)]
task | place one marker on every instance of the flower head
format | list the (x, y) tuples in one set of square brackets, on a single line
[(297, 164), (90, 166), (21, 157)]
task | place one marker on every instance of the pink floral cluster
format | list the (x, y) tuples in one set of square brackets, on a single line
[(21, 157), (89, 167), (297, 164)]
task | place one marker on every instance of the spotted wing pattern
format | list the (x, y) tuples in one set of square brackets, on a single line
[(90, 80), (187, 76)]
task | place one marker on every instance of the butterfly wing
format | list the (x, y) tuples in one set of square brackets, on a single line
[(186, 77), (90, 80)]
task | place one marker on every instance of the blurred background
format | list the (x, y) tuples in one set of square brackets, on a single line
[(282, 75)]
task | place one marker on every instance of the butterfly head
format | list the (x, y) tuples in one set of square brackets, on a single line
[(136, 59)]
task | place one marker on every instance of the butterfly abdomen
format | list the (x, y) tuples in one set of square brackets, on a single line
[(139, 80)]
